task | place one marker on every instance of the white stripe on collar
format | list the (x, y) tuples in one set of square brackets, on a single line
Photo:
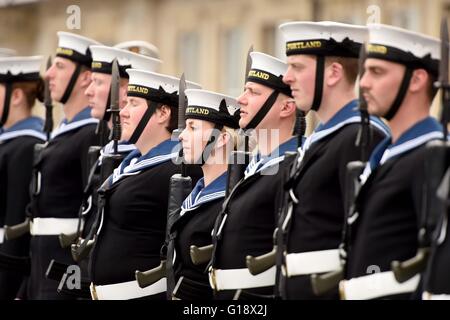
[(254, 169), (201, 200), (316, 136), (410, 144), (136, 167), (399, 149), (19, 133), (72, 126)]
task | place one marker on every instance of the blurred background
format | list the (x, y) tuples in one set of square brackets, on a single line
[(206, 39)]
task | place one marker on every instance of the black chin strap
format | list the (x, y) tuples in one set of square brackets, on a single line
[(263, 111), (143, 123), (400, 94), (71, 84), (318, 87), (7, 101), (211, 143)]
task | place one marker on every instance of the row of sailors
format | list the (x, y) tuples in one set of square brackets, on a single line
[(294, 186)]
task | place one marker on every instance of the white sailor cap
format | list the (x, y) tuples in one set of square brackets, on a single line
[(6, 52), (214, 107), (155, 86), (75, 47), (139, 46), (15, 69), (103, 56), (403, 46), (268, 71), (325, 38)]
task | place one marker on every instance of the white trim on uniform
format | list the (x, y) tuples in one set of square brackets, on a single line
[(234, 279), (126, 290), (376, 285), (53, 226), (312, 262)]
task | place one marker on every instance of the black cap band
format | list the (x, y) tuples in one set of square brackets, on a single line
[(75, 56), (346, 48), (378, 51), (106, 67), (8, 77), (160, 95), (214, 116), (270, 80)]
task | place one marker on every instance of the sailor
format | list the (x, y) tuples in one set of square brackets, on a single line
[(20, 86), (323, 66), (62, 170), (135, 196), (400, 70), (208, 139), (248, 218)]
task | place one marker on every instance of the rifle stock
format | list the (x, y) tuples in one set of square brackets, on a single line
[(201, 255), (321, 284), (18, 230), (257, 265), (149, 277)]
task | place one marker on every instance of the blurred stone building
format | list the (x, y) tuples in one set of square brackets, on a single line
[(206, 39)]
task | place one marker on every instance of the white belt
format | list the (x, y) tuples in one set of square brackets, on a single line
[(126, 290), (431, 296), (2, 234), (375, 285), (53, 226), (233, 279), (312, 262)]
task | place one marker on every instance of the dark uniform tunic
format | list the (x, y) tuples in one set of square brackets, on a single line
[(251, 215), (317, 220), (16, 160), (90, 213), (193, 227), (389, 203), (64, 172), (133, 225)]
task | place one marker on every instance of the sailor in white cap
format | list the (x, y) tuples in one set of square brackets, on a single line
[(400, 70), (133, 222), (99, 95), (323, 66), (20, 86), (209, 138), (246, 224), (62, 170)]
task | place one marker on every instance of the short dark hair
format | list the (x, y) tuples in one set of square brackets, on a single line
[(350, 66), (32, 90)]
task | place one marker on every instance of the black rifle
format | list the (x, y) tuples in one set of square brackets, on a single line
[(435, 163)]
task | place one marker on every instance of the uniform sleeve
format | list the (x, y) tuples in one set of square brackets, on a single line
[(20, 165), (89, 139)]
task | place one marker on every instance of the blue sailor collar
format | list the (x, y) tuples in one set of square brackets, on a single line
[(259, 163), (31, 126), (123, 147), (201, 194), (134, 163), (81, 119), (347, 115), (419, 134)]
